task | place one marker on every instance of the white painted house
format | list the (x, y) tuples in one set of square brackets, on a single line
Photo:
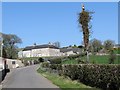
[(70, 51), (39, 51), (10, 63), (47, 50)]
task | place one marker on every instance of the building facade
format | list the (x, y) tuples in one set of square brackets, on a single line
[(39, 51), (47, 50)]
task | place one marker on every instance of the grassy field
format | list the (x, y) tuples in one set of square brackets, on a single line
[(97, 59), (117, 51), (64, 83)]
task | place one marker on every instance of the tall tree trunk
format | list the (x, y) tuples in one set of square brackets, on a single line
[(86, 42)]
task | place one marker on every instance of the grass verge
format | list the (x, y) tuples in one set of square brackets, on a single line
[(97, 59), (64, 83)]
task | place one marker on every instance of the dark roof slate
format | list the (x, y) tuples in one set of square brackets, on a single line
[(70, 49), (39, 46)]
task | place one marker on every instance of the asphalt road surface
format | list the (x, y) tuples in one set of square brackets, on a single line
[(26, 77)]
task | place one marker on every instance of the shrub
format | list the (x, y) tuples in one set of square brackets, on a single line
[(80, 61), (25, 63), (36, 62), (74, 56), (40, 59), (56, 61), (70, 71), (101, 76), (45, 64), (53, 66), (112, 57), (56, 66)]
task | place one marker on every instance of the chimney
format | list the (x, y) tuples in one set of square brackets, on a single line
[(34, 44)]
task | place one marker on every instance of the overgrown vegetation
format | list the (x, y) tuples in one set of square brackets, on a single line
[(9, 42), (56, 61), (112, 57), (63, 82), (102, 76), (84, 19), (117, 51)]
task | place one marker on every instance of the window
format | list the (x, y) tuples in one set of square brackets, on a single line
[(13, 62)]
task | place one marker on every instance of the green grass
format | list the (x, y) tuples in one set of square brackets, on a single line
[(104, 59), (72, 61), (117, 51), (64, 83)]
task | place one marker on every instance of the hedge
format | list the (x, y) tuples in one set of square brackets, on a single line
[(106, 77), (45, 65), (56, 66), (56, 61), (101, 76), (40, 59)]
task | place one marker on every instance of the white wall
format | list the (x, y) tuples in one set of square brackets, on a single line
[(1, 64), (27, 53), (44, 52), (40, 52), (9, 63), (69, 53), (17, 63), (54, 52), (20, 54)]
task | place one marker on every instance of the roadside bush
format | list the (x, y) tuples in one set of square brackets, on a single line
[(45, 65), (112, 57), (25, 63), (53, 66), (80, 61), (70, 71), (56, 66), (36, 62), (74, 56), (56, 61), (101, 76), (40, 60)]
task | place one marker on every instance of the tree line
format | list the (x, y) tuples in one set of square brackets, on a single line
[(8, 44), (96, 46)]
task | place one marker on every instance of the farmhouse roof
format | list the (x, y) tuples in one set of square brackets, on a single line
[(39, 46), (70, 49)]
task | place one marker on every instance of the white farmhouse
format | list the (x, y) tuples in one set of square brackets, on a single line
[(39, 51), (47, 50), (70, 51)]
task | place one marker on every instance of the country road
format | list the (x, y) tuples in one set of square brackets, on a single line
[(26, 77)]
